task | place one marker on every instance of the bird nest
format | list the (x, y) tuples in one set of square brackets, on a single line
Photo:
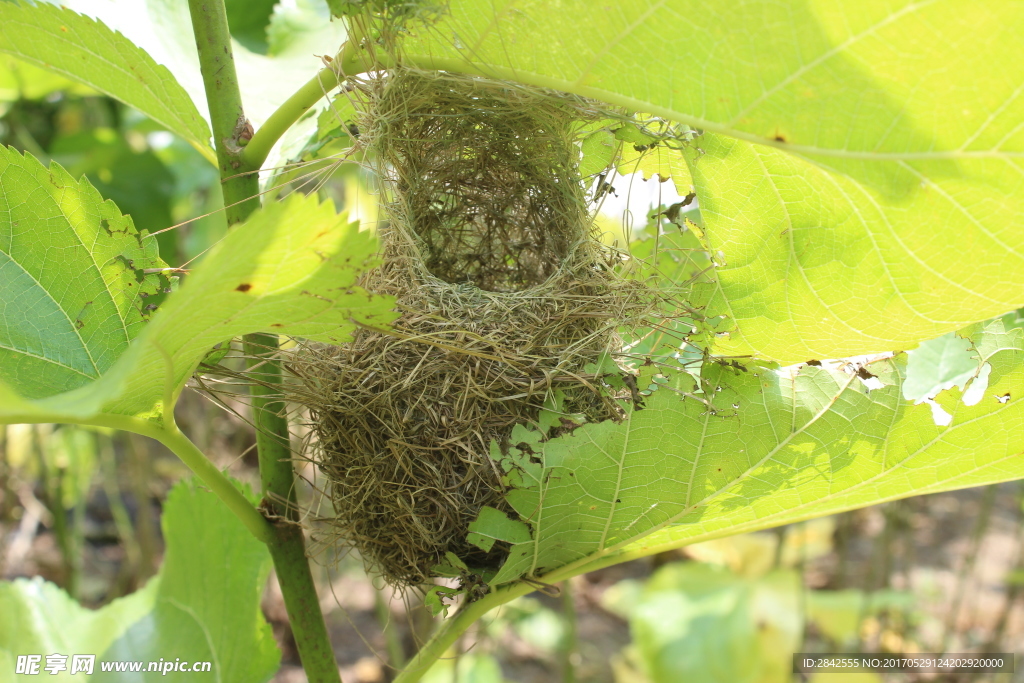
[(506, 299)]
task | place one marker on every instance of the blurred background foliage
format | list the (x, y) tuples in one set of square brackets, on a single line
[(82, 507)]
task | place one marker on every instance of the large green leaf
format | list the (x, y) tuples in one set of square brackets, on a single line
[(844, 77), (201, 607), (290, 268), (846, 256), (86, 51), (208, 603), (777, 446), (41, 619), (72, 278), (888, 147)]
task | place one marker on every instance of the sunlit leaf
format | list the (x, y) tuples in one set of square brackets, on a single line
[(73, 279), (200, 608), (89, 52), (290, 268), (885, 146), (937, 365), (773, 447)]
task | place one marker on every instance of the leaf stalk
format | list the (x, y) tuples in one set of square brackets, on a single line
[(346, 63)]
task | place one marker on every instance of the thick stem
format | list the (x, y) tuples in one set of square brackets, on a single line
[(217, 64), (288, 547), (300, 599), (231, 130), (272, 436)]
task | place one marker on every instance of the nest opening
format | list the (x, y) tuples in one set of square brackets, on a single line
[(506, 301)]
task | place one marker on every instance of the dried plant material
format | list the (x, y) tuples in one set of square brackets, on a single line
[(506, 299)]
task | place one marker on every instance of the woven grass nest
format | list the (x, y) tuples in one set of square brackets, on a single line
[(505, 296)]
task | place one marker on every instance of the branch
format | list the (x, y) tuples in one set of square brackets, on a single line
[(346, 63), (198, 463), (287, 545), (451, 629)]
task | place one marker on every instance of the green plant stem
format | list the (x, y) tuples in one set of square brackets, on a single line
[(569, 640), (272, 435), (284, 117), (200, 465), (217, 64), (451, 629), (288, 547), (241, 197)]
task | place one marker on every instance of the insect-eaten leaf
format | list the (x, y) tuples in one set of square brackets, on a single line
[(435, 598), (494, 525), (299, 260), (80, 282)]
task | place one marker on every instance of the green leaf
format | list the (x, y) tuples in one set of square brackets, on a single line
[(696, 623), (598, 152), (937, 365), (886, 147), (665, 162), (494, 525), (434, 599), (43, 619), (855, 257), (199, 608), (248, 21), (846, 77), (777, 446), (291, 268), (207, 607), (86, 51), (137, 181), (73, 281)]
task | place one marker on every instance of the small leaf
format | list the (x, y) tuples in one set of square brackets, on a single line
[(434, 600), (665, 162), (630, 133), (494, 525), (598, 152), (455, 561)]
